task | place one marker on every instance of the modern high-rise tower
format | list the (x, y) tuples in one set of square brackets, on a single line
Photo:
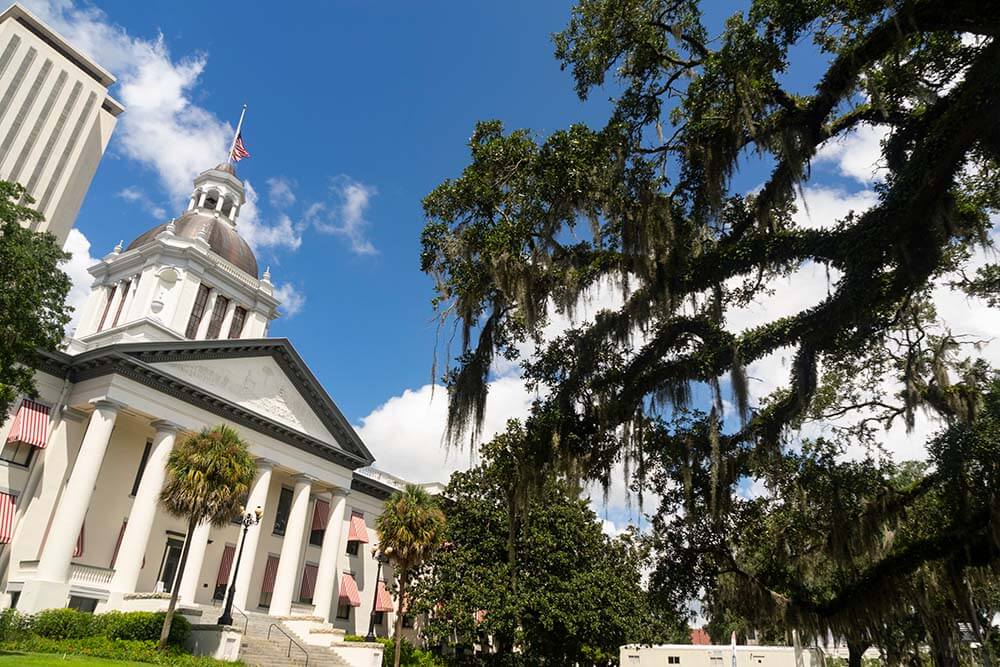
[(56, 117)]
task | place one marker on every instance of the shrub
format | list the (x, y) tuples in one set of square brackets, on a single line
[(13, 625), (61, 624), (113, 649), (141, 626), (409, 655)]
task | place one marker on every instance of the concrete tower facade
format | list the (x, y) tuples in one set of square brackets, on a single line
[(56, 117)]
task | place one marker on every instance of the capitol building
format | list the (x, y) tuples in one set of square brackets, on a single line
[(174, 339)]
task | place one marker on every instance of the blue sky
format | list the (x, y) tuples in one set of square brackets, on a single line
[(356, 111)]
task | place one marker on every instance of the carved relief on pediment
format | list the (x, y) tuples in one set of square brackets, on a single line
[(257, 384)]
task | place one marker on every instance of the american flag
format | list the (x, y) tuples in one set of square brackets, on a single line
[(239, 150)]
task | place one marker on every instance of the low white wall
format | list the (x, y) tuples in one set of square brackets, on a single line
[(221, 642), (359, 654)]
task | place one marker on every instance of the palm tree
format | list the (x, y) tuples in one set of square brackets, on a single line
[(410, 528), (208, 476)]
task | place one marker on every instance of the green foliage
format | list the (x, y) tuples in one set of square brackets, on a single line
[(410, 655), (33, 292), (646, 205), (113, 649), (546, 580), (208, 476), (73, 624)]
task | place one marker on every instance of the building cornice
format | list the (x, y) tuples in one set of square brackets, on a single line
[(136, 361)]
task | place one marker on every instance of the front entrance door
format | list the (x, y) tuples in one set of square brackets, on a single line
[(171, 559)]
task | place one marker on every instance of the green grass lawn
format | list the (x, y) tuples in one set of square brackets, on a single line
[(52, 660)]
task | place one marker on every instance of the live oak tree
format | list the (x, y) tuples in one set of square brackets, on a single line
[(33, 292), (544, 580), (646, 203)]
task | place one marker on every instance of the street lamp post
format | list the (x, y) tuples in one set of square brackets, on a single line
[(248, 519), (382, 557)]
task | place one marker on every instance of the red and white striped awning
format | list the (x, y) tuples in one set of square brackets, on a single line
[(321, 515), (358, 531), (222, 578), (118, 543), (31, 424), (308, 581), (349, 593), (7, 508), (270, 574), (383, 601)]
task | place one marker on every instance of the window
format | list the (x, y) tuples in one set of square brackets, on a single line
[(121, 302), (218, 313), (673, 660), (197, 311), (142, 467), (352, 547), (82, 604), (239, 318), (14, 597), (107, 306), (284, 507), (321, 514), (343, 611), (379, 617), (407, 621), (18, 453), (308, 585)]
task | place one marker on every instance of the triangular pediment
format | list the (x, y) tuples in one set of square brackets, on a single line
[(257, 384)]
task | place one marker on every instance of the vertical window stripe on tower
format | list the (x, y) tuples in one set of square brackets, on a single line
[(121, 302), (239, 318), (197, 311), (107, 306), (218, 314)]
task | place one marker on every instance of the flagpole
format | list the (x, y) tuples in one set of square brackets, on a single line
[(239, 126)]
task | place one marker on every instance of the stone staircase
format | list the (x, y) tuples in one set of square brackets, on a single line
[(258, 650)]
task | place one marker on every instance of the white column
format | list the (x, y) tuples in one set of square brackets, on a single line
[(192, 202), (257, 497), (328, 575), (201, 199), (232, 212), (132, 549), (291, 548), (219, 202), (192, 569), (227, 319), (54, 563)]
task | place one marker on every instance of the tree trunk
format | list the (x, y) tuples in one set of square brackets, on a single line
[(176, 588), (397, 633), (855, 652)]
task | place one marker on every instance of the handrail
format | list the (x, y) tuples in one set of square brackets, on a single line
[(246, 619), (290, 641)]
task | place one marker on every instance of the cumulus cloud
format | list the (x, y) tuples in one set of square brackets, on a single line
[(856, 154), (136, 196), (76, 268), (284, 234), (280, 192), (345, 216), (406, 433), (291, 297)]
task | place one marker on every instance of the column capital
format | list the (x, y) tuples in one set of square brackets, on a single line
[(162, 425), (264, 464), (338, 491), (108, 404), (303, 477)]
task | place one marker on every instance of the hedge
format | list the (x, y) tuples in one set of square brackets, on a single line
[(112, 649), (409, 655), (60, 624)]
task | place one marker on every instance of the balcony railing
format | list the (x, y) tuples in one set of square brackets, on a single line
[(90, 575)]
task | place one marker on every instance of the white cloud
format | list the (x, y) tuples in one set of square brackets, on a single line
[(818, 206), (292, 299), (406, 433), (162, 128), (857, 154), (346, 216), (280, 192), (284, 234), (76, 268), (137, 196)]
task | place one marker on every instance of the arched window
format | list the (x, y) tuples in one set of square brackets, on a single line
[(212, 200), (227, 206)]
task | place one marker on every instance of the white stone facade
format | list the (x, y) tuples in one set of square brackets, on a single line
[(56, 117), (142, 372)]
